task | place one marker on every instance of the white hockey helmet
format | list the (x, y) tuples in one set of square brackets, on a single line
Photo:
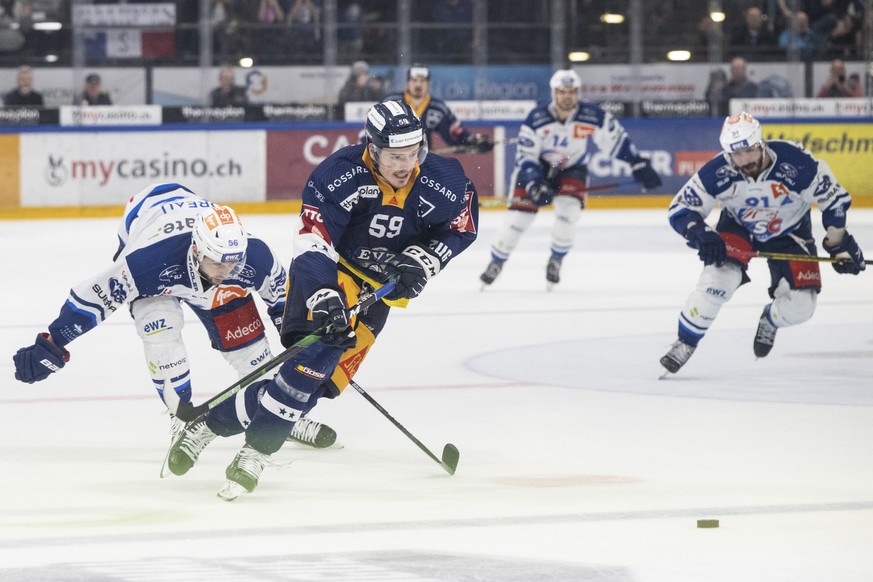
[(219, 236), (740, 132), (565, 78)]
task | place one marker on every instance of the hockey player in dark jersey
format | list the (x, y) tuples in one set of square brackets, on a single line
[(765, 191), (436, 115), (555, 146), (175, 248), (374, 212)]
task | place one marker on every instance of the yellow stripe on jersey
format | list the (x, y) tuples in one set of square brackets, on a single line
[(390, 196)]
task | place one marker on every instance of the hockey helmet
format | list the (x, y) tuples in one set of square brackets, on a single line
[(219, 236), (393, 124), (565, 78), (416, 71), (740, 132)]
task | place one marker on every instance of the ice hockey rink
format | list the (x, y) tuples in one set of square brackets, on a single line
[(576, 464)]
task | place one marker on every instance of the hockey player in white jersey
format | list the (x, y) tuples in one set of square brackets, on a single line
[(554, 149), (765, 191), (175, 248)]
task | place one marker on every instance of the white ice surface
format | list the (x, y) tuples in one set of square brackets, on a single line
[(576, 462)]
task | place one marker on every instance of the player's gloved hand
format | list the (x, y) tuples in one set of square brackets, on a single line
[(540, 192), (328, 308), (411, 269), (848, 250), (645, 175), (710, 246), (481, 142), (35, 363)]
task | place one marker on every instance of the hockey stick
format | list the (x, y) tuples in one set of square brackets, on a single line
[(504, 202), (187, 412), (467, 148), (449, 460), (792, 257)]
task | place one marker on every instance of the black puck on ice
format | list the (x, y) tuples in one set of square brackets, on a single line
[(707, 523)]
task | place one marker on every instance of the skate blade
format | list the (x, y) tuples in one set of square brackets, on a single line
[(231, 491), (664, 373)]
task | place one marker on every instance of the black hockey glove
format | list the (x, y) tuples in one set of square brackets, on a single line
[(35, 363), (645, 175), (848, 250), (540, 192), (411, 269), (481, 143), (710, 246), (328, 307)]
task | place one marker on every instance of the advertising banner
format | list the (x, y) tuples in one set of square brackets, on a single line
[(93, 169), (110, 115), (292, 155)]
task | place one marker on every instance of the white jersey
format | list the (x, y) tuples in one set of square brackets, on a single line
[(773, 204), (545, 142), (154, 258)]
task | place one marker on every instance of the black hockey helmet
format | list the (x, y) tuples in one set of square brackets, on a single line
[(393, 124)]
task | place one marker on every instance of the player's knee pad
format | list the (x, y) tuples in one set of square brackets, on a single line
[(159, 322), (715, 287), (792, 306), (568, 210), (718, 284), (510, 233), (249, 357)]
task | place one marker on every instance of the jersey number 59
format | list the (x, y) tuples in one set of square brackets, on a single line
[(384, 226)]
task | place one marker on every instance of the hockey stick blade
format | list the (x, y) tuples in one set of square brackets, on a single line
[(187, 412), (449, 462), (451, 455)]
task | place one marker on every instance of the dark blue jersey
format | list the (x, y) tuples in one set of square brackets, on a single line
[(436, 116), (352, 216)]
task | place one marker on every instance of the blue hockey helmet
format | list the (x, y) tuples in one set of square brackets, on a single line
[(393, 124)]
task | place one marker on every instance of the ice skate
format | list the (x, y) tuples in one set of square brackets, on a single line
[(491, 272), (765, 337), (243, 473), (312, 433), (553, 272), (185, 451), (673, 360), (176, 427)]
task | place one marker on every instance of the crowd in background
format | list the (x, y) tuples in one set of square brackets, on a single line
[(292, 32), (283, 31)]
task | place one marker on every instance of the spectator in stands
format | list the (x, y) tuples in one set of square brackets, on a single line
[(360, 86), (714, 94), (837, 84), (739, 86), (350, 30), (753, 36), (304, 16), (271, 31), (228, 93), (456, 37), (23, 94), (93, 93), (800, 37), (842, 39)]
